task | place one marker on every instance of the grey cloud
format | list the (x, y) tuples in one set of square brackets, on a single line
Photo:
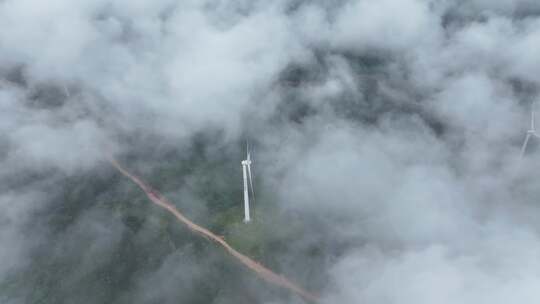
[(391, 129)]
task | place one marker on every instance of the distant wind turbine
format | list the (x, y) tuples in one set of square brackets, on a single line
[(246, 169), (531, 132), (66, 90)]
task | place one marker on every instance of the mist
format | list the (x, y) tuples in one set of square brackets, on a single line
[(385, 135)]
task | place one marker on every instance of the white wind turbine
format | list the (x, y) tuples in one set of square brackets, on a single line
[(66, 90), (246, 168), (531, 132)]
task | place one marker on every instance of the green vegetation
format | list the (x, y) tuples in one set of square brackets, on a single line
[(106, 237)]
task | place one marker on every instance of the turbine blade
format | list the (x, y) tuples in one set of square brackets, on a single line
[(247, 150), (532, 120), (524, 146), (251, 182)]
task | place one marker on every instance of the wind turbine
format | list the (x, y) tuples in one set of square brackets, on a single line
[(66, 90), (531, 132), (246, 169)]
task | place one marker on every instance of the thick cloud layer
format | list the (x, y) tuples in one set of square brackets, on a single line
[(391, 130)]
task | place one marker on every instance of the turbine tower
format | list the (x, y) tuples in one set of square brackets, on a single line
[(531, 132), (246, 169)]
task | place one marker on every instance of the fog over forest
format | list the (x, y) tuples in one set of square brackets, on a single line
[(386, 140)]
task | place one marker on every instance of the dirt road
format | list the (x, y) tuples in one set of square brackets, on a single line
[(254, 266)]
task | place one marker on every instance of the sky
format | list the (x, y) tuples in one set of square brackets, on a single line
[(392, 128)]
